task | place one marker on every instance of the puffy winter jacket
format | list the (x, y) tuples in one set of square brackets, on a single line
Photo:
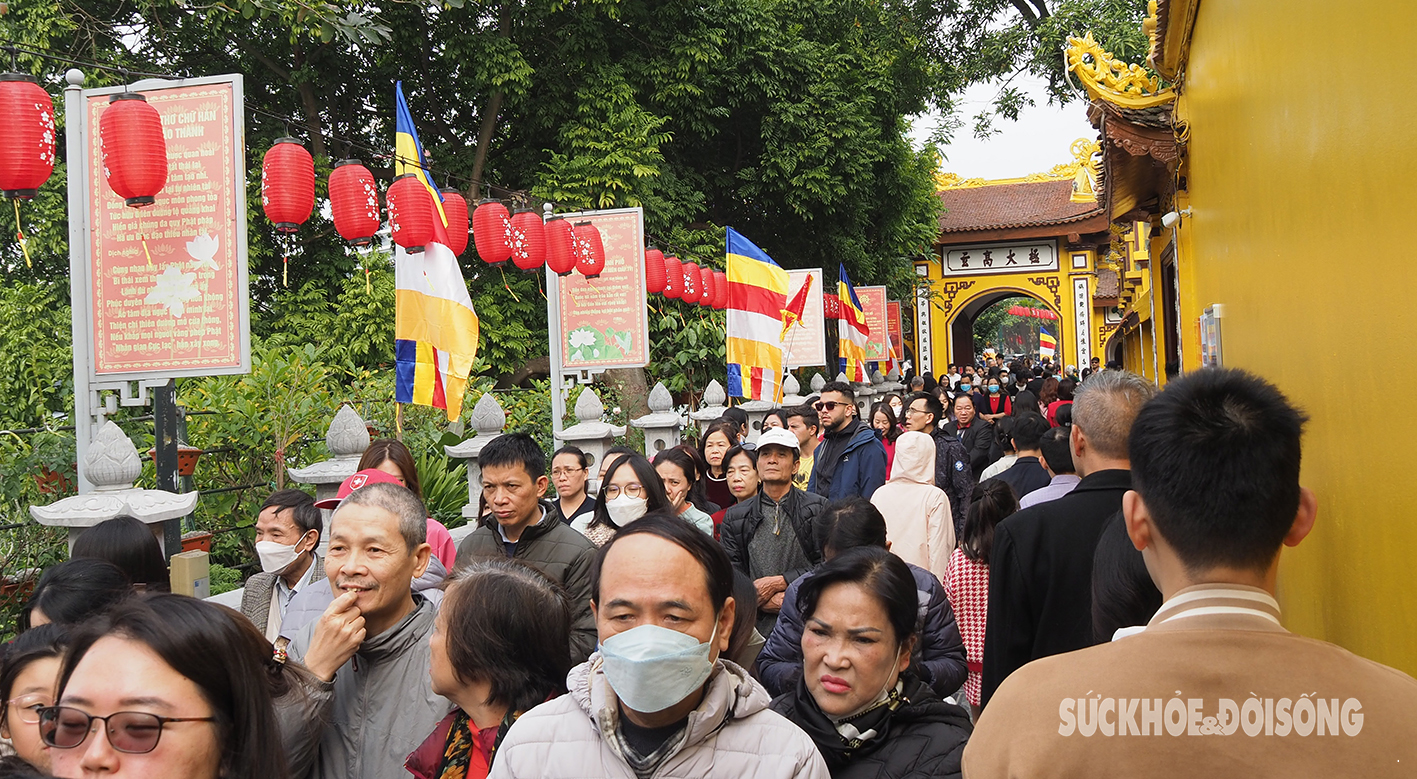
[(919, 524), (938, 659), (861, 467), (922, 739), (731, 735), (557, 551), (378, 708), (954, 475)]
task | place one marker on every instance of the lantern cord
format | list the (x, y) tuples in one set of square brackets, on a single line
[(284, 262), (20, 233), (143, 238), (506, 285)]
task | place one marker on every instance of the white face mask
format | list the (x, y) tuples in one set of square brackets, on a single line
[(896, 407), (276, 558), (625, 509), (651, 668)]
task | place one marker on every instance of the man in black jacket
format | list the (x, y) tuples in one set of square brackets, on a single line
[(1027, 474), (975, 433), (769, 537), (525, 527), (1040, 569)]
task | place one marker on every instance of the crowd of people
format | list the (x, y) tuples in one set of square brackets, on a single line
[(998, 574)]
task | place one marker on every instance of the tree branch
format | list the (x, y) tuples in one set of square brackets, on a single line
[(1027, 11), (489, 113)]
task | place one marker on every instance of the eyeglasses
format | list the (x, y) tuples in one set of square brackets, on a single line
[(130, 732), (27, 706), (565, 471), (634, 489), (828, 405), (914, 410)]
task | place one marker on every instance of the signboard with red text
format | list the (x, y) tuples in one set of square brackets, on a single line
[(603, 322)]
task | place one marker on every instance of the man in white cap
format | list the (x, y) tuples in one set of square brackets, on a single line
[(769, 537)]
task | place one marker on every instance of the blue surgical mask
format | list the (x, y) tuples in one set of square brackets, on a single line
[(965, 386), (993, 388), (651, 668)]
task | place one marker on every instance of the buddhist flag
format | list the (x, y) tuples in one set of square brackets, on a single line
[(435, 325), (1047, 345), (792, 315), (757, 300), (851, 331)]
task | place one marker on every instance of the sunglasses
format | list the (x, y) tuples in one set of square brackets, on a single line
[(828, 405), (130, 732)]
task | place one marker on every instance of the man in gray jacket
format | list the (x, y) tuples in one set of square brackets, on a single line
[(370, 646)]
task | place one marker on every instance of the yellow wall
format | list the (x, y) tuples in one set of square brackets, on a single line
[(1303, 177)]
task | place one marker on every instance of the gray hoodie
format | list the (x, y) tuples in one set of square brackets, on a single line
[(379, 707)]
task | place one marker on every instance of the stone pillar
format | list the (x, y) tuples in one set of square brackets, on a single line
[(590, 433), (818, 381), (712, 406), (790, 389), (662, 425), (488, 419), (347, 438), (111, 464)]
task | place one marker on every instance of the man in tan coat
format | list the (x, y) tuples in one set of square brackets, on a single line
[(1214, 686)]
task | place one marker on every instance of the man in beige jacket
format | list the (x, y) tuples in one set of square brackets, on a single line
[(1214, 686)]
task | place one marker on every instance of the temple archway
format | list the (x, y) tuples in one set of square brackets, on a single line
[(963, 347)]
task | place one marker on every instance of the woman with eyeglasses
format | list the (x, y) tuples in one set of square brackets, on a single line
[(164, 687), (570, 471), (630, 489), (27, 680)]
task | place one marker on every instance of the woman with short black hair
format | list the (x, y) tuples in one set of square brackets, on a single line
[(681, 473), (192, 699), (72, 591), (570, 473), (498, 649), (867, 712), (27, 680), (129, 544), (630, 489)]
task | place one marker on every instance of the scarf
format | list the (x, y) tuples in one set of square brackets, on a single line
[(840, 741), (468, 752), (829, 454)]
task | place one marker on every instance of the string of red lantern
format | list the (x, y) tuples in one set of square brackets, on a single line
[(673, 278), (411, 213), (27, 156), (287, 192), (528, 240), (354, 202), (491, 232), (654, 270), (455, 209), (560, 246), (591, 257), (706, 290), (133, 153), (720, 288)]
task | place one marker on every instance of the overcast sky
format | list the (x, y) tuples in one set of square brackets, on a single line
[(1036, 142)]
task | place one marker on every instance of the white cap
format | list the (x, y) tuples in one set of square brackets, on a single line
[(776, 436)]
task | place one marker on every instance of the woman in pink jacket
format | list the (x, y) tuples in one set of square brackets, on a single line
[(919, 524)]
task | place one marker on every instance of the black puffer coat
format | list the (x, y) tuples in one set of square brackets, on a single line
[(923, 737)]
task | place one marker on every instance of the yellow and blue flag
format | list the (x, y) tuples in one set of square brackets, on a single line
[(851, 330), (757, 296), (435, 324)]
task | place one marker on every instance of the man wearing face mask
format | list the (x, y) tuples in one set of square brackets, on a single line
[(658, 699), (287, 532), (769, 537)]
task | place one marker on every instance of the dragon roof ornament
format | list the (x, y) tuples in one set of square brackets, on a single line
[(1112, 81)]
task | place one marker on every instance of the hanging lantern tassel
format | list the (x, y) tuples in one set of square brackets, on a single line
[(284, 259), (20, 236), (368, 288), (507, 286), (143, 239)]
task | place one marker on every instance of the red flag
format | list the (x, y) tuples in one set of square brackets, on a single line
[(792, 314)]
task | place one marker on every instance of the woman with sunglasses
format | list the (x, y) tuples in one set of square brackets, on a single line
[(630, 489), (164, 687), (27, 680)]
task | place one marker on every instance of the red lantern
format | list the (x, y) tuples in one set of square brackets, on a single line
[(288, 185), (720, 290), (354, 202), (706, 287), (528, 240), (411, 213), (654, 270), (692, 282), (455, 208), (491, 231), (560, 246), (27, 155), (591, 257), (673, 278), (133, 149)]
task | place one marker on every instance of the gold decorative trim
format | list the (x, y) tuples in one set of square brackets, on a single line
[(1110, 80), (1082, 170)]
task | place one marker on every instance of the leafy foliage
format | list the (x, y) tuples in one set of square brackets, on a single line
[(36, 363)]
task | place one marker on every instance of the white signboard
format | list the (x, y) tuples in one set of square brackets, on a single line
[(1082, 320), (995, 258), (806, 343)]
